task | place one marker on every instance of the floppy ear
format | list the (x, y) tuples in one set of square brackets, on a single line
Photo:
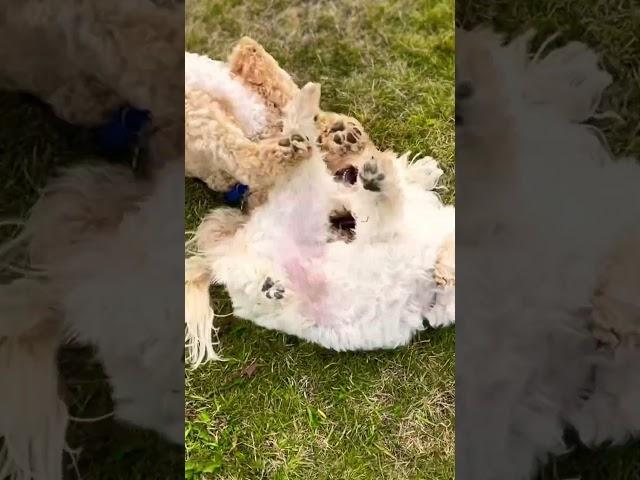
[(309, 99), (306, 104), (302, 110)]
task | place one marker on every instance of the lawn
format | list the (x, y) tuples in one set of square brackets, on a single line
[(612, 31), (279, 408)]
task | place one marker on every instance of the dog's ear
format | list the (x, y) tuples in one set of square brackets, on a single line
[(307, 101), (303, 109)]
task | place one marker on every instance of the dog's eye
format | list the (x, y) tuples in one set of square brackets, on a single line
[(315, 119)]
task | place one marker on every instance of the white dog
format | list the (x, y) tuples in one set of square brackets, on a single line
[(282, 273)]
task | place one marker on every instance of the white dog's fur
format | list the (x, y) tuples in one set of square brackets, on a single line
[(371, 293), (94, 230), (536, 182)]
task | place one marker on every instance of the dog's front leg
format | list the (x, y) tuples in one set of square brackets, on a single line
[(377, 202), (218, 151)]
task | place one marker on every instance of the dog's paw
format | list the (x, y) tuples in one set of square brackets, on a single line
[(342, 136), (372, 177), (272, 289), (294, 147), (378, 172), (437, 317)]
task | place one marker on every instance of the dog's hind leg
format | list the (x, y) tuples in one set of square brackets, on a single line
[(198, 313), (217, 227), (261, 72)]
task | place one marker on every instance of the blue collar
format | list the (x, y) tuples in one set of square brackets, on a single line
[(236, 194)]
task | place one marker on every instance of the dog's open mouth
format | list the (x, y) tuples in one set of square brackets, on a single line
[(347, 175), (342, 223)]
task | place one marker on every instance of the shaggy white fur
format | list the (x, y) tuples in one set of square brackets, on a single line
[(94, 230), (214, 77), (533, 256), (374, 292)]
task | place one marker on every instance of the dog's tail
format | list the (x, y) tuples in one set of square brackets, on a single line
[(200, 332), (33, 418), (216, 228)]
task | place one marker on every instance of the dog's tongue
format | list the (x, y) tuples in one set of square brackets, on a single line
[(347, 175)]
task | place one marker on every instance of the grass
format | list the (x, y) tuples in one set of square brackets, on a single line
[(280, 408), (612, 31)]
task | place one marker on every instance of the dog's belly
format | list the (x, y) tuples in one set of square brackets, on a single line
[(379, 293), (363, 298)]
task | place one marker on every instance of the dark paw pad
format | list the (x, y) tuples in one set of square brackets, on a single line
[(273, 290), (370, 178), (338, 126), (346, 135)]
